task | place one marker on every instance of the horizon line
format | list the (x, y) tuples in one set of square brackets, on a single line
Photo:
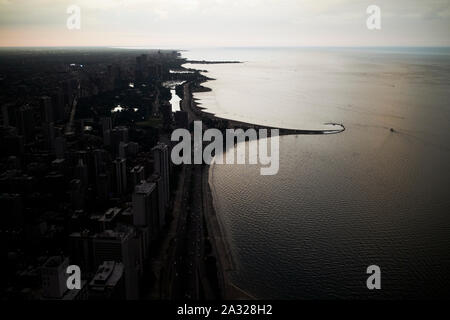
[(224, 47)]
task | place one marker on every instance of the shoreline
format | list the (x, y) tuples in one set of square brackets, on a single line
[(210, 62), (216, 233), (220, 243), (196, 85), (231, 124)]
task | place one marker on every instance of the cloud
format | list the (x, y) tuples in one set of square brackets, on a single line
[(233, 22)]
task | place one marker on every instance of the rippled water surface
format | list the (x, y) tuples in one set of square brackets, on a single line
[(339, 202)]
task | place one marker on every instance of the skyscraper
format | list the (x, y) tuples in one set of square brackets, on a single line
[(120, 246), (161, 166), (5, 114), (106, 123), (120, 175), (54, 277), (108, 282), (103, 186), (60, 147), (82, 252), (137, 175), (156, 178), (58, 105), (76, 194), (25, 122), (145, 206), (49, 134), (81, 172), (118, 135), (46, 109), (109, 219), (100, 159)]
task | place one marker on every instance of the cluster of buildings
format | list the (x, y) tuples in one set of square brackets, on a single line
[(93, 192)]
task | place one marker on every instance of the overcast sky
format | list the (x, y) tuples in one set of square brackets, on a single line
[(202, 23)]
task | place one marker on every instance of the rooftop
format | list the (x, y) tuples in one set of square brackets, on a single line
[(108, 274), (144, 188)]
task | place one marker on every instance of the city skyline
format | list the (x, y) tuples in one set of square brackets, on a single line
[(215, 157)]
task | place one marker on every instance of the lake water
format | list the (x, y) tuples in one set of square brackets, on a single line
[(339, 202)]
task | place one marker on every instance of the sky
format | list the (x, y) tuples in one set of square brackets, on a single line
[(222, 23)]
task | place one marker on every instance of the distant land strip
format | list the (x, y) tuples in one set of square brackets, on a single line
[(210, 62)]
